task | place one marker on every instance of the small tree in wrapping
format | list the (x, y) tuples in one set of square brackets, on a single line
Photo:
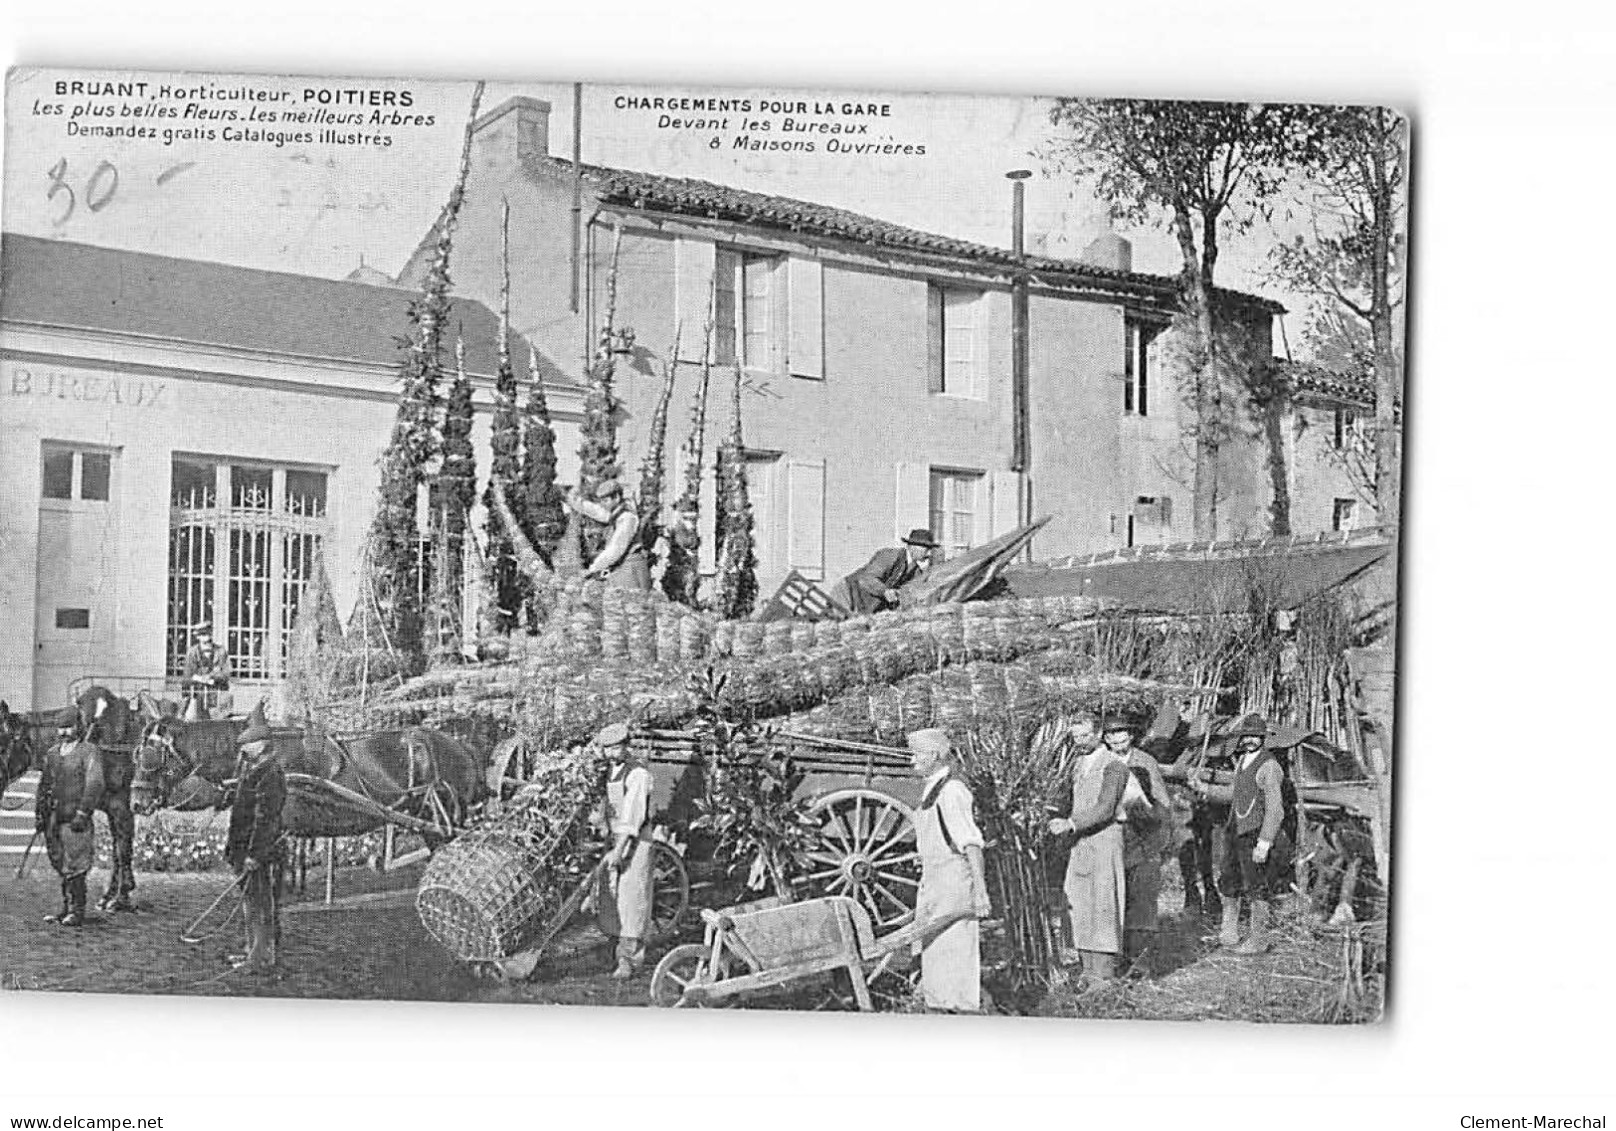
[(456, 492), (653, 466), (395, 570), (505, 470), (681, 573), (543, 518), (597, 449), (316, 643), (736, 590)]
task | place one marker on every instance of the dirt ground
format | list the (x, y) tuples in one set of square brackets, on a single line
[(377, 949)]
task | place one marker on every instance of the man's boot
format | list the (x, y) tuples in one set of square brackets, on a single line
[(628, 958), (1257, 942), (63, 911), (77, 897), (1229, 932), (1194, 908), (1213, 904)]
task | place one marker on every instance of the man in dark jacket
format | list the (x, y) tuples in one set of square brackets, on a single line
[(1261, 834), (253, 845), (70, 788), (874, 586)]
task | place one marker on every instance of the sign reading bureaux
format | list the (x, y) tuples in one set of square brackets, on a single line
[(112, 389)]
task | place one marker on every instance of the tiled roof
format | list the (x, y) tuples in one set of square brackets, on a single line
[(82, 286), (1324, 383), (1204, 578), (687, 196)]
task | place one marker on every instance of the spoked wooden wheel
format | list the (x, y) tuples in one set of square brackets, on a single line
[(683, 967), (670, 891), (867, 850)]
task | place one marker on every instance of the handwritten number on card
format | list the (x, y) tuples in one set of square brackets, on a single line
[(98, 190), (58, 183), (101, 176)]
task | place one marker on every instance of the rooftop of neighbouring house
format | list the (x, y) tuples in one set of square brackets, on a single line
[(57, 283), (1323, 383)]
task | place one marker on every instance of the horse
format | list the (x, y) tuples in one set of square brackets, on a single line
[(108, 721), (18, 753), (337, 787)]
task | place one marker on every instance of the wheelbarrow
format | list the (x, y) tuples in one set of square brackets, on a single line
[(771, 943)]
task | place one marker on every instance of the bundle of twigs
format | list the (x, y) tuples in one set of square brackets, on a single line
[(1013, 769)]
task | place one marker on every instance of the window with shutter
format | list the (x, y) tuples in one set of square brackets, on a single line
[(805, 549), (955, 346), (805, 302), (955, 497)]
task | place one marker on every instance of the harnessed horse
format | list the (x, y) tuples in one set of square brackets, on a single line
[(107, 720), (17, 752), (418, 777)]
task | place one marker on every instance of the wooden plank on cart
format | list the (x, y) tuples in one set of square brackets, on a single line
[(800, 599)]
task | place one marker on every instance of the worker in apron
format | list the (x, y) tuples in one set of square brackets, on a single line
[(953, 883), (1096, 885), (624, 899)]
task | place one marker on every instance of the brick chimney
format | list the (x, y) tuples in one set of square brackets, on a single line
[(516, 129)]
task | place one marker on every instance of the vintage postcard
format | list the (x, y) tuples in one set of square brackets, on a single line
[(681, 547)]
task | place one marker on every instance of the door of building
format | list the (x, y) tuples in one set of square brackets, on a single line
[(76, 572)]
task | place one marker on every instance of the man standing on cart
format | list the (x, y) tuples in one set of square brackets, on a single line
[(624, 905), (953, 883)]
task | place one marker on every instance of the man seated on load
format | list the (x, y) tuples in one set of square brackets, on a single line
[(873, 587)]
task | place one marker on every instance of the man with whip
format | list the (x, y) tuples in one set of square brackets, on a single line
[(253, 844), (64, 806)]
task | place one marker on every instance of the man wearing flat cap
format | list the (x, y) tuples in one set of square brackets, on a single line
[(1261, 834), (207, 672), (69, 790), (953, 883), (623, 560), (625, 895), (874, 586), (253, 844)]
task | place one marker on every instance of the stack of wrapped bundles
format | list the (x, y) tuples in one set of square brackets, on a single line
[(494, 889), (613, 654), (969, 697)]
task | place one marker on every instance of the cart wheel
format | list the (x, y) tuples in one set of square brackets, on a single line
[(670, 892), (683, 967), (867, 850)]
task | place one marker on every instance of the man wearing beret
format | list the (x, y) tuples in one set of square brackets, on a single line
[(953, 883), (253, 844), (69, 790), (1261, 834), (874, 586), (625, 896)]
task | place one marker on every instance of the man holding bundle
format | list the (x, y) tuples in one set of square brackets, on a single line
[(1144, 841), (953, 881), (625, 895), (69, 790)]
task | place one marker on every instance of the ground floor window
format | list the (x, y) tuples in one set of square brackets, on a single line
[(955, 501), (243, 538), (1345, 514)]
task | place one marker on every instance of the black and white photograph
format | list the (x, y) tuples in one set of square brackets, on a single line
[(699, 547)]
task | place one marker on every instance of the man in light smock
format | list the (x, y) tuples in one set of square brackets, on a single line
[(953, 884), (625, 892), (1096, 886)]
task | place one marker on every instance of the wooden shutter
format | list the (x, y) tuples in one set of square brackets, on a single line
[(934, 339), (960, 361), (693, 263), (805, 504), (1006, 503), (805, 300), (913, 498)]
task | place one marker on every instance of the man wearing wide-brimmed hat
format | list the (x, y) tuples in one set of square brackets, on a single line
[(874, 586), (1261, 834), (70, 788), (626, 886), (953, 882), (622, 561), (253, 844)]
